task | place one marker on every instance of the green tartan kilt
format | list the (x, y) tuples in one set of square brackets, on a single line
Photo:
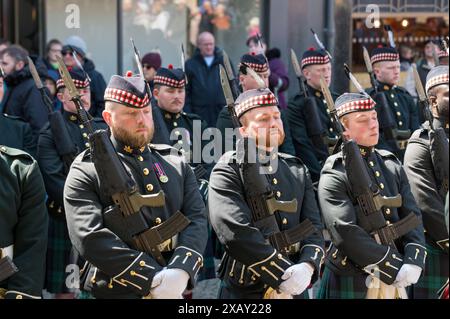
[(333, 286), (58, 256), (434, 276)]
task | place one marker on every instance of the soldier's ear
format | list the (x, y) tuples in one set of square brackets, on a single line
[(155, 93), (60, 96)]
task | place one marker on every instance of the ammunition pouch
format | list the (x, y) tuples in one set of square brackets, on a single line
[(392, 232)]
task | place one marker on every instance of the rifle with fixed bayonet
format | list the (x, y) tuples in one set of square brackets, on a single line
[(65, 147), (231, 78)]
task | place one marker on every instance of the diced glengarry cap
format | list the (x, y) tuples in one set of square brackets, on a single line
[(171, 77), (437, 76), (79, 79), (129, 91), (382, 54), (252, 99), (313, 56), (353, 102), (257, 62)]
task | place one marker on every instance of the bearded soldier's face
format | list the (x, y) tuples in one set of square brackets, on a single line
[(264, 125), (439, 101), (170, 99), (133, 127), (362, 127)]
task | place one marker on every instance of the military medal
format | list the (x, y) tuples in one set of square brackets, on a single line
[(160, 173)]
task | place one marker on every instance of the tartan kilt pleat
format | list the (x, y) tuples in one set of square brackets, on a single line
[(333, 286)]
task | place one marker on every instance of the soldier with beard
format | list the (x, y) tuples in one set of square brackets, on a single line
[(425, 166), (116, 269)]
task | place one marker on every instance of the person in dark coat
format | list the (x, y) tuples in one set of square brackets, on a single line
[(405, 112), (252, 267), (423, 168), (22, 98), (54, 172), (117, 266), (358, 264), (23, 224), (98, 84), (314, 64), (204, 95)]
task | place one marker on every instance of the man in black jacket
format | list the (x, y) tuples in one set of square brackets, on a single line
[(204, 95), (22, 98)]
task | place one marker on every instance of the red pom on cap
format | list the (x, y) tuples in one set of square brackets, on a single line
[(253, 53), (129, 74), (170, 66), (312, 49), (380, 46)]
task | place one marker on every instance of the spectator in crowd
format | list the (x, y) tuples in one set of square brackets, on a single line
[(98, 85), (406, 57), (52, 50), (151, 63)]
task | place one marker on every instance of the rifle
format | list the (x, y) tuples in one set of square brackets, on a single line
[(386, 119), (314, 127), (7, 267), (65, 147), (231, 79), (183, 63), (320, 44), (438, 139), (137, 59), (259, 194)]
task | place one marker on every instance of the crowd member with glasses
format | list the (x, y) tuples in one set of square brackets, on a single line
[(75, 44), (151, 63)]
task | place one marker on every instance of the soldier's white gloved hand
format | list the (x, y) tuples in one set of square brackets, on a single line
[(296, 279), (407, 275), (169, 284)]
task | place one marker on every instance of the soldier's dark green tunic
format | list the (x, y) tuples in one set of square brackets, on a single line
[(117, 270), (54, 174), (353, 248), (251, 264), (313, 157), (23, 222), (405, 112), (16, 133), (430, 198)]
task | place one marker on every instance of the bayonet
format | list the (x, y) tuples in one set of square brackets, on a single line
[(183, 63), (320, 44)]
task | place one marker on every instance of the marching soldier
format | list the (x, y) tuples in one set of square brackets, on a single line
[(55, 173), (361, 252), (175, 127), (117, 244), (252, 267), (259, 64), (386, 66), (23, 225), (423, 165), (314, 64)]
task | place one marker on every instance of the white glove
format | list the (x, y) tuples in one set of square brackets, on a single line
[(169, 284), (407, 275), (296, 279)]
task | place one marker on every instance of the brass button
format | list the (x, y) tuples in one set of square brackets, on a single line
[(241, 281), (381, 185), (132, 273), (81, 126), (331, 130), (87, 145), (400, 123), (19, 297), (272, 263), (142, 263), (371, 163), (146, 171), (275, 181), (343, 263), (387, 263), (318, 94), (388, 223), (388, 211), (149, 187), (393, 96), (3, 149), (158, 221), (386, 88), (270, 169), (278, 194), (85, 135), (377, 174), (395, 104), (446, 245), (73, 118), (110, 286), (175, 124), (263, 268), (189, 254), (399, 113), (140, 158), (285, 221)]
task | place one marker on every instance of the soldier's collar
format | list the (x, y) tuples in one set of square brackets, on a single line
[(385, 87), (313, 92), (125, 149), (71, 117), (366, 151), (266, 157), (168, 116)]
